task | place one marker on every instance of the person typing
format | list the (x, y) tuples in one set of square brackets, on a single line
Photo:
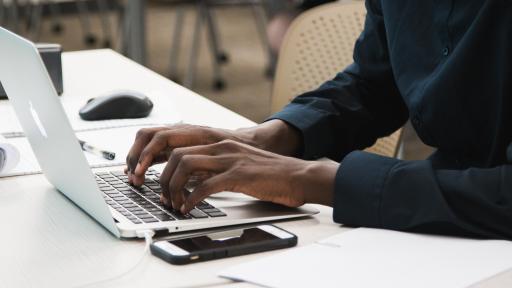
[(446, 66)]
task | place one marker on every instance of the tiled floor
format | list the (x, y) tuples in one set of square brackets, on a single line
[(248, 90)]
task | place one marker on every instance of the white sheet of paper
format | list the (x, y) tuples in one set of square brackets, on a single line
[(379, 258), (117, 140), (10, 157)]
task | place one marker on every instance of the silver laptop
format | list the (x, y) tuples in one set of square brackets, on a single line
[(123, 210)]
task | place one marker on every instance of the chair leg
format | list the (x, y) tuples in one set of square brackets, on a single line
[(196, 42), (261, 24), (83, 15), (176, 43), (14, 16), (222, 56), (56, 26), (2, 13), (217, 56), (35, 20), (105, 23), (123, 29)]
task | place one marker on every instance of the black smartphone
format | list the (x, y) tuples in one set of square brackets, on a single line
[(223, 244)]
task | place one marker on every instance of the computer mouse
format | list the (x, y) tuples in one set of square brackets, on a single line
[(120, 104)]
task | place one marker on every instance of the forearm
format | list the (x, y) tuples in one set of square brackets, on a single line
[(275, 136)]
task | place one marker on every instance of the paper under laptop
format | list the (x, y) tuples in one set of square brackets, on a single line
[(380, 258), (103, 139)]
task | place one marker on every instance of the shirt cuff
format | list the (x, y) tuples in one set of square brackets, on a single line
[(309, 122), (359, 188)]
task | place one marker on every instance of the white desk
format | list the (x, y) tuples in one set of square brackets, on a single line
[(48, 242)]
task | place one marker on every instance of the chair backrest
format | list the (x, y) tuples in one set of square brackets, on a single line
[(319, 44)]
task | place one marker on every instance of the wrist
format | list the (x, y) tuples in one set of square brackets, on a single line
[(275, 136), (316, 181)]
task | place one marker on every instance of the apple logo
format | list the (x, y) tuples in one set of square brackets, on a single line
[(38, 122)]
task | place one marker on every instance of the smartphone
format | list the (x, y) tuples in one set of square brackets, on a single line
[(217, 245)]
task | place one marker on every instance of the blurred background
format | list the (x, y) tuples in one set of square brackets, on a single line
[(225, 50)]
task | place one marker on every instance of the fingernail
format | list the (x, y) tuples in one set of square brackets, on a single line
[(137, 169), (182, 209)]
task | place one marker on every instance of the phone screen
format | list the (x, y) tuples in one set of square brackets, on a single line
[(223, 239)]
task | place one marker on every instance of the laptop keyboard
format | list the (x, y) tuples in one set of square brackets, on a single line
[(142, 204)]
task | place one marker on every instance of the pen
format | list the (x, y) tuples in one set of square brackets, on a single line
[(91, 149)]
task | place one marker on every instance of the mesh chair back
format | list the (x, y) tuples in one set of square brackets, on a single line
[(319, 44)]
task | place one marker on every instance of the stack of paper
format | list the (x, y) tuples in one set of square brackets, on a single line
[(380, 258)]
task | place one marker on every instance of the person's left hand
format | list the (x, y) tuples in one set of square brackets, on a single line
[(232, 166)]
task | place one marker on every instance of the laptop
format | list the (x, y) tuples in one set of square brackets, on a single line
[(123, 210)]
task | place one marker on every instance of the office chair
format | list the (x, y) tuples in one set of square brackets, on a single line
[(34, 14), (205, 17), (318, 44)]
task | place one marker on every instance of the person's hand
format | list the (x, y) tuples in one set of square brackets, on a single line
[(236, 167), (154, 145)]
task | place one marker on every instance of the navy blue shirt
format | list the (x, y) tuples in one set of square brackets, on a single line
[(447, 66)]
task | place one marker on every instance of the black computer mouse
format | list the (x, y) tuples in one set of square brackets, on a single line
[(122, 104)]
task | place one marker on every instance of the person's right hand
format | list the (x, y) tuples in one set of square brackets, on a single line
[(154, 145)]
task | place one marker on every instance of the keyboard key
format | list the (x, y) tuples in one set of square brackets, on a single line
[(204, 205), (118, 208), (141, 214), (210, 210), (146, 205), (136, 209), (144, 216), (155, 199), (176, 214), (197, 214), (150, 220), (100, 174), (126, 201), (164, 217), (112, 193), (125, 213), (117, 173), (136, 221), (217, 214), (129, 205)]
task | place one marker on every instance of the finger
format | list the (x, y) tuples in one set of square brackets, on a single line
[(144, 138), (141, 139), (161, 140), (179, 136), (173, 162), (215, 184), (188, 166)]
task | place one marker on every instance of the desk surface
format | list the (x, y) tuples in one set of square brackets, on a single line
[(49, 242)]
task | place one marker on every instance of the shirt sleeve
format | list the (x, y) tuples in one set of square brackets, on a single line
[(415, 196), (358, 106)]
